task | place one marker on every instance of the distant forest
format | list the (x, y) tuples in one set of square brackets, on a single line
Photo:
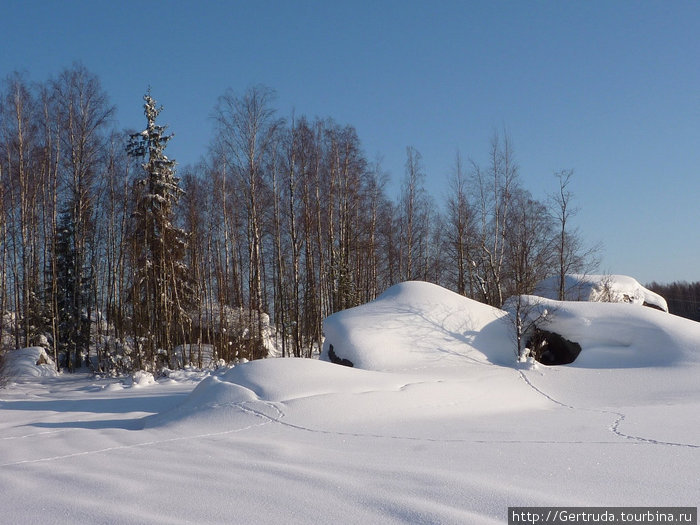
[(683, 298), (110, 253)]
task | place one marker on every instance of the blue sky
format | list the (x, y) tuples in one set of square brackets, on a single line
[(609, 89)]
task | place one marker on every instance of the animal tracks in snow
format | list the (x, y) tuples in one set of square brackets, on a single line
[(615, 426)]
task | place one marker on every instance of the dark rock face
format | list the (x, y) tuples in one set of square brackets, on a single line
[(550, 348), (337, 360), (655, 306)]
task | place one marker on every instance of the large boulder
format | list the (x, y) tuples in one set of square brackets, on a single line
[(550, 348), (601, 288), (416, 325)]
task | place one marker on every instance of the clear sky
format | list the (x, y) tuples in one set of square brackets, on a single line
[(610, 89)]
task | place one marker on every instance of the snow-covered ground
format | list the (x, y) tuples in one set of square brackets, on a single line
[(436, 423)]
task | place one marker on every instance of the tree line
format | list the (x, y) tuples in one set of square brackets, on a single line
[(108, 252), (683, 298)]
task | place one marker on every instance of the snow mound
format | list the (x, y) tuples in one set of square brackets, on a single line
[(618, 335), (204, 404), (348, 400), (415, 325), (140, 378), (28, 362), (601, 288), (287, 379), (257, 386)]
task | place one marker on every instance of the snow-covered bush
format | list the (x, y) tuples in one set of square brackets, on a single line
[(27, 362), (233, 332)]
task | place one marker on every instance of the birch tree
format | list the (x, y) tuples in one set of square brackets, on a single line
[(460, 229), (571, 253), (84, 113), (414, 213), (3, 259), (20, 138), (247, 131), (494, 187)]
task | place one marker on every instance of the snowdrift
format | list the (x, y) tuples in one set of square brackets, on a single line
[(601, 288), (614, 335), (275, 380), (28, 362), (418, 324)]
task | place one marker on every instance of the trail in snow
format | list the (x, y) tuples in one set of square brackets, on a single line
[(279, 420), (615, 427), (34, 434), (542, 393)]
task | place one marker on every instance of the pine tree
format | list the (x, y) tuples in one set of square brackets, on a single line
[(161, 289)]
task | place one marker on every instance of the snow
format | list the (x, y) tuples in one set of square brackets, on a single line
[(435, 423), (617, 335), (603, 288), (28, 362), (141, 378), (417, 324)]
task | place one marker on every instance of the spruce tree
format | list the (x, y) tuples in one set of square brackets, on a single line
[(73, 287), (161, 291)]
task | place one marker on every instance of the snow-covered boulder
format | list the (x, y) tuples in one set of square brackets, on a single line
[(601, 288), (414, 325), (28, 362), (613, 335)]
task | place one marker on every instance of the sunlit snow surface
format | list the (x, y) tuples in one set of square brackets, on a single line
[(601, 288), (28, 362), (436, 423)]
